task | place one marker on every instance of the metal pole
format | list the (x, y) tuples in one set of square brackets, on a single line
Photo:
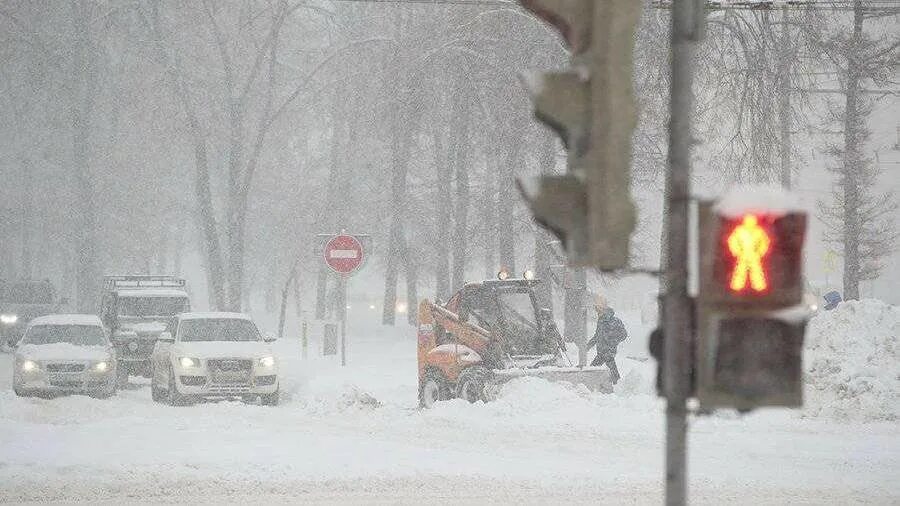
[(685, 31), (343, 313)]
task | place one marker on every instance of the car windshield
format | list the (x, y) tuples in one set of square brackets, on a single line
[(28, 293), (517, 308), (522, 335), (79, 335), (152, 306), (218, 329)]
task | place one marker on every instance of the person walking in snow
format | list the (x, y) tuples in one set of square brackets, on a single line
[(610, 332)]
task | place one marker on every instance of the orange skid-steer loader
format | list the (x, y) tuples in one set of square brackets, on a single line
[(488, 333)]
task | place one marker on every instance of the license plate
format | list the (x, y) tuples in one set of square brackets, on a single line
[(231, 377), (61, 376)]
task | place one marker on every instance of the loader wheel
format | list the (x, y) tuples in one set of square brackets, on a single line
[(471, 383), (434, 388)]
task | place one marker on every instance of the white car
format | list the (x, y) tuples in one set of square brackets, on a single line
[(213, 355), (65, 353)]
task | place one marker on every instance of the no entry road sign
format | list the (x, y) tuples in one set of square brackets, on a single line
[(344, 253)]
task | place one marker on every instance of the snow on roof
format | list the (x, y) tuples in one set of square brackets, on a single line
[(152, 292), (211, 315), (743, 199), (67, 319)]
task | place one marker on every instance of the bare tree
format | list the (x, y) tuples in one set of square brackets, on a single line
[(859, 219)]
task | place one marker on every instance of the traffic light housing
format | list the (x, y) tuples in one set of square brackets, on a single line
[(751, 318), (592, 109)]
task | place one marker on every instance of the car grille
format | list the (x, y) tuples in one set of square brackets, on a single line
[(230, 365), (65, 367), (193, 381), (229, 373)]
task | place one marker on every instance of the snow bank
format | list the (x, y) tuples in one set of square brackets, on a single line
[(852, 362)]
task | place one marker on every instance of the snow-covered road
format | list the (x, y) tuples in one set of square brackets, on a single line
[(331, 442)]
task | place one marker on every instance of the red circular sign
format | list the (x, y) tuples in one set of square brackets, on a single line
[(343, 253)]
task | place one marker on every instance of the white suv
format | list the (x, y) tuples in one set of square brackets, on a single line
[(65, 353), (213, 355)]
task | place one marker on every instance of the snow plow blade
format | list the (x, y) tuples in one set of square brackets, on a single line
[(594, 378)]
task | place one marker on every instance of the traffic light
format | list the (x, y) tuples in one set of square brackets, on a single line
[(751, 317), (592, 109)]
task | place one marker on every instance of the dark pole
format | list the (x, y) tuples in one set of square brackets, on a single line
[(687, 17), (342, 290)]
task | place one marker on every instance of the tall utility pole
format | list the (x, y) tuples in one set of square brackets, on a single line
[(687, 29)]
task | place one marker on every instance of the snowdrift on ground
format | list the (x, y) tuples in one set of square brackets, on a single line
[(852, 362)]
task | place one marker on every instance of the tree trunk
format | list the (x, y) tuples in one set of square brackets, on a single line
[(215, 267), (542, 255), (443, 215), (396, 244), (852, 160), (489, 220), (27, 221), (412, 288), (235, 241), (506, 203), (85, 88), (576, 311), (784, 99), (333, 213), (461, 157)]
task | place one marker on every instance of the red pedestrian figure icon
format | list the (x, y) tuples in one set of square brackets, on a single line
[(749, 243)]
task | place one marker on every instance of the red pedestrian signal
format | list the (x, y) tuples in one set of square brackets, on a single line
[(753, 258), (749, 243), (750, 314)]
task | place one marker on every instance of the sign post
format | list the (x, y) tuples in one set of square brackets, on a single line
[(344, 254)]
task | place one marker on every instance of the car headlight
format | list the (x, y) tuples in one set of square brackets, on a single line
[(29, 366), (267, 362), (188, 362), (9, 319), (101, 366)]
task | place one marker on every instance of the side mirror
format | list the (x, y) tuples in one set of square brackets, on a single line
[(269, 338), (166, 337)]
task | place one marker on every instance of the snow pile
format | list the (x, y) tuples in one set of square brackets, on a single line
[(351, 397), (852, 362)]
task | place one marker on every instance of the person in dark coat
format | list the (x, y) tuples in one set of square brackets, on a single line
[(610, 332)]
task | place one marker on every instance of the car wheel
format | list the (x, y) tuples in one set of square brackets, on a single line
[(270, 399), (434, 388), (471, 383), (174, 396), (121, 374), (156, 393)]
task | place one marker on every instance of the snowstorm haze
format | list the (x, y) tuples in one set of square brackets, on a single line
[(215, 140), (223, 143)]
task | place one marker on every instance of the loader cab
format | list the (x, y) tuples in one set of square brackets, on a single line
[(509, 310)]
